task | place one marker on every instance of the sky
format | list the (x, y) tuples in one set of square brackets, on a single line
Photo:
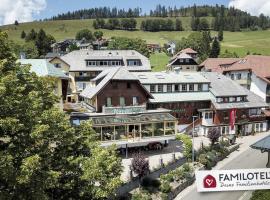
[(29, 10)]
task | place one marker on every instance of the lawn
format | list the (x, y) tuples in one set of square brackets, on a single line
[(159, 61), (240, 42)]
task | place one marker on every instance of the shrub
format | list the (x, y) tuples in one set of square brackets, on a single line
[(164, 196), (187, 143), (179, 174), (140, 165), (167, 177), (146, 182), (186, 167), (141, 195), (213, 135), (165, 187)]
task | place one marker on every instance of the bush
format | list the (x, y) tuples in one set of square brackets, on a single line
[(260, 195), (186, 167), (187, 143), (165, 187), (141, 195), (164, 196), (167, 177), (179, 174)]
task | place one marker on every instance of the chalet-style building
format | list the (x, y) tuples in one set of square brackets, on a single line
[(183, 62), (192, 53), (234, 109), (251, 72), (210, 96), (217, 64), (84, 65), (43, 68), (120, 114), (181, 92)]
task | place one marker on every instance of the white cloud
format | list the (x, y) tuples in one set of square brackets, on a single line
[(21, 10), (256, 7)]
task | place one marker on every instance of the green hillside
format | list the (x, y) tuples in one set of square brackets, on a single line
[(240, 42)]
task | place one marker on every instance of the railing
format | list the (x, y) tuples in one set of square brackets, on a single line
[(189, 128)]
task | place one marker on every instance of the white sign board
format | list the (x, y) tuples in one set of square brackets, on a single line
[(230, 180)]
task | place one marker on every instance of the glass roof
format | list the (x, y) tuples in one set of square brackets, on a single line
[(132, 119)]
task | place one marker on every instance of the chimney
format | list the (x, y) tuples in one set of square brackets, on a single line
[(177, 70)]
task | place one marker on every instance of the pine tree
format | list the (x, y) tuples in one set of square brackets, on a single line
[(23, 35), (220, 35), (215, 51)]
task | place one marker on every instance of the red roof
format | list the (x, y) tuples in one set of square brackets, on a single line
[(218, 64), (188, 51), (260, 65)]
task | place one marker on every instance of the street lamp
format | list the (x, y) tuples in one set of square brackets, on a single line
[(193, 153)]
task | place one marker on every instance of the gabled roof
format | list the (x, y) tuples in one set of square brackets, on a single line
[(222, 86), (184, 51), (260, 65), (215, 64), (77, 59), (181, 56), (117, 73), (188, 51), (43, 68)]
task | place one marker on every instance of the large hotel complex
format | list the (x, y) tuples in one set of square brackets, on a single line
[(130, 104)]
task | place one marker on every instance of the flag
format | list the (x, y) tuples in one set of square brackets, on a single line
[(232, 118)]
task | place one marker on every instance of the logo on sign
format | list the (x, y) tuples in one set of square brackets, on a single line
[(209, 182)]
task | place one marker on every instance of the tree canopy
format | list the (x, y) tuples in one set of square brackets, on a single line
[(84, 34), (123, 43), (41, 155)]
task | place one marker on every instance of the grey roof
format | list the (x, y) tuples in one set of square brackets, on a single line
[(263, 144), (181, 97), (43, 68), (170, 77), (222, 86), (253, 101), (117, 73), (76, 59)]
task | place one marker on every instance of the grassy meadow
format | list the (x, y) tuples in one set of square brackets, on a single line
[(239, 42)]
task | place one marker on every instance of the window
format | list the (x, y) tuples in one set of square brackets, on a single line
[(184, 87), (219, 100), (80, 73), (191, 87), (57, 65), (181, 60), (135, 101), (232, 76), (152, 88), (187, 60), (169, 88), (254, 111), (160, 88), (128, 85), (109, 102), (176, 88), (208, 115), (199, 87), (238, 76), (122, 101)]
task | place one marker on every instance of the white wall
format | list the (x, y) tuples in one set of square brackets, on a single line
[(258, 86)]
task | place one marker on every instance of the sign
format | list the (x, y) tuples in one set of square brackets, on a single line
[(124, 110), (232, 118), (232, 180)]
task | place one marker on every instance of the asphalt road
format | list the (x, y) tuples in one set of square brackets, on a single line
[(248, 159)]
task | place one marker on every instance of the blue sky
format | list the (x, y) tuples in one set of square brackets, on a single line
[(59, 6)]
